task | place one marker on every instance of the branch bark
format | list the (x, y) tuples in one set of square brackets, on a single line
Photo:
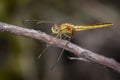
[(77, 50)]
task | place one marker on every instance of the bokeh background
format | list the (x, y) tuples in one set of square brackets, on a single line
[(18, 55)]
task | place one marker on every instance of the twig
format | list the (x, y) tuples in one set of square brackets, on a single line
[(78, 51)]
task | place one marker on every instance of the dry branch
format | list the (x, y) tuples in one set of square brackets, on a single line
[(78, 51)]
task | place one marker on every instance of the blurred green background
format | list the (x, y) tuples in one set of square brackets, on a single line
[(18, 55)]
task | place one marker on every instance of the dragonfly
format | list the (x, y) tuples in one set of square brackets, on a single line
[(69, 31), (67, 28)]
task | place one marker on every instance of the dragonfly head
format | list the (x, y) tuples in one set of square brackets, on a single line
[(55, 29)]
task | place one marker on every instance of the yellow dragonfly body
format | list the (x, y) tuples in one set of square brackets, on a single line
[(67, 28)]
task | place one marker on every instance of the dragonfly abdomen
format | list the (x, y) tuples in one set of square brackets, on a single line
[(80, 28)]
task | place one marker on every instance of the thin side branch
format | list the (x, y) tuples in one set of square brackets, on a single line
[(77, 50)]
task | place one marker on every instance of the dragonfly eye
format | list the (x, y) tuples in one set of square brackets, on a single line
[(55, 29)]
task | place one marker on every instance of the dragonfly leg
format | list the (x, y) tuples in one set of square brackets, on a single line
[(60, 55), (44, 51), (58, 59), (67, 36), (48, 45)]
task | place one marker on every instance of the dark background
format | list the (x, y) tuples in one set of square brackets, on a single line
[(18, 55)]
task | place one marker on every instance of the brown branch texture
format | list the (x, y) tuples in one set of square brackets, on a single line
[(77, 50)]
